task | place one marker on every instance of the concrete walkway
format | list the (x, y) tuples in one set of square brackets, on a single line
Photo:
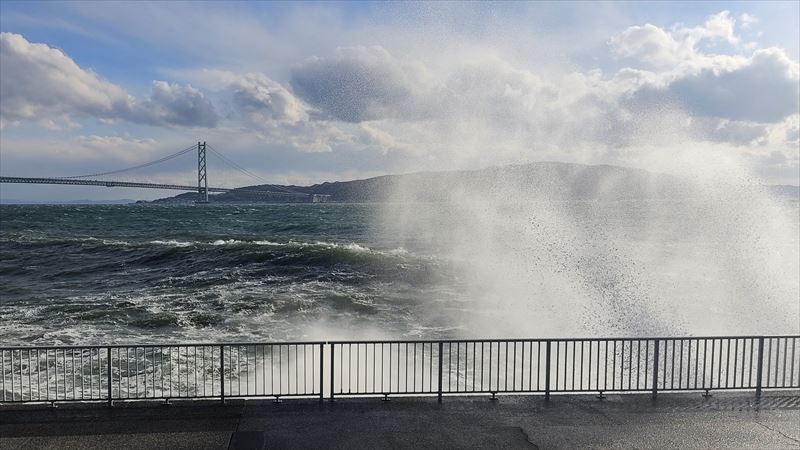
[(620, 421)]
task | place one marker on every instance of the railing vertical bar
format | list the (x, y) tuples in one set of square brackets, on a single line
[(530, 365), (613, 363), (688, 362), (439, 396), (38, 375), (538, 365), (777, 342), (194, 353), (398, 367), (630, 363), (711, 371), (30, 386), (505, 370), (769, 361), (272, 369), (389, 371), (638, 361), (777, 360), (760, 365), (719, 365), (108, 370), (672, 365), (474, 363), (408, 367), (744, 355), (646, 362), (791, 367), (414, 368), (547, 372), (589, 380), (728, 363), (497, 374), (333, 369), (490, 365), (655, 368), (221, 374), (558, 363), (580, 372), (573, 365), (680, 367), (783, 372), (321, 372), (72, 361), (458, 364), (735, 360), (430, 367)]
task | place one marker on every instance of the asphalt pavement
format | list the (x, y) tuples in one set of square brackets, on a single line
[(729, 420)]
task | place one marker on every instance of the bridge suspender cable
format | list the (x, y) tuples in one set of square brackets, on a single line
[(251, 174)]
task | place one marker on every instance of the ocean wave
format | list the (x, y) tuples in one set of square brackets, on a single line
[(321, 245), (99, 241), (172, 243)]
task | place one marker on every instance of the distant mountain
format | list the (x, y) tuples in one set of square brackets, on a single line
[(543, 180)]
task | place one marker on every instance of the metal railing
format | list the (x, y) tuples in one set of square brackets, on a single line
[(384, 368), (51, 374)]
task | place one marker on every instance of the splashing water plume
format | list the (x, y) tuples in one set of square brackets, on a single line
[(693, 246)]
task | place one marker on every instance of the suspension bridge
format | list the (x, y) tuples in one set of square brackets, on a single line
[(202, 187)]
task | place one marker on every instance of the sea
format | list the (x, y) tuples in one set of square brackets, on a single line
[(149, 273)]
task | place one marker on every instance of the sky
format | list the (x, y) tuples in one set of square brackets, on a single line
[(300, 93)]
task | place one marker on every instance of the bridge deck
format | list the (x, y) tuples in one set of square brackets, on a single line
[(106, 183)]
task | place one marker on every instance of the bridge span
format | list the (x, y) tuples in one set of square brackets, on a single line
[(106, 183), (202, 187)]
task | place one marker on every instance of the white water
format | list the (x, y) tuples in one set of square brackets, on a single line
[(718, 259)]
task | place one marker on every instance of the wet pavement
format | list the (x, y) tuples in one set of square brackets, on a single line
[(730, 420)]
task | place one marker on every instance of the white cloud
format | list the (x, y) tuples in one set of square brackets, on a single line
[(762, 88), (174, 104), (262, 99), (662, 48), (652, 45), (747, 20), (39, 82)]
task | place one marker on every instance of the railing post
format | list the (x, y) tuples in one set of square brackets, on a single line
[(547, 373), (333, 350), (760, 372), (221, 373), (321, 372), (108, 369), (441, 351), (655, 370)]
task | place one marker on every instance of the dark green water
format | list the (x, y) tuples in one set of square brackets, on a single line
[(207, 273)]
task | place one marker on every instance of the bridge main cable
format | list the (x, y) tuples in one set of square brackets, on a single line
[(140, 166)]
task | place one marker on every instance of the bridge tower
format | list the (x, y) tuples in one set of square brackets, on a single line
[(202, 179)]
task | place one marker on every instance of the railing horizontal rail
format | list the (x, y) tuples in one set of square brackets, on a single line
[(398, 367)]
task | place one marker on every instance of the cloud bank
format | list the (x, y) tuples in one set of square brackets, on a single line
[(39, 82)]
